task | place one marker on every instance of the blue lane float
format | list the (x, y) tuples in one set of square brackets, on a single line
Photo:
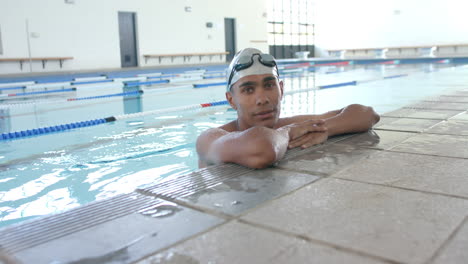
[(90, 82), (106, 96), (213, 77), (202, 85), (395, 76), (134, 84), (52, 129), (12, 88), (337, 85)]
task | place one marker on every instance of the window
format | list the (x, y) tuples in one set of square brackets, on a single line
[(290, 27)]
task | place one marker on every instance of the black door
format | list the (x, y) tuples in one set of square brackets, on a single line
[(128, 52), (230, 36)]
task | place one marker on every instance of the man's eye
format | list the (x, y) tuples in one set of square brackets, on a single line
[(248, 89), (270, 85)]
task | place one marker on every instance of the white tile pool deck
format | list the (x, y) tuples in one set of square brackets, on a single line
[(397, 194)]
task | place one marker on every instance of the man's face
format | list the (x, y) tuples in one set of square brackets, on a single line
[(257, 99)]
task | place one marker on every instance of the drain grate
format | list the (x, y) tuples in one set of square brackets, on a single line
[(194, 182)]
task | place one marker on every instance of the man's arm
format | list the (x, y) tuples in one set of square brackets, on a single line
[(351, 119), (256, 147)]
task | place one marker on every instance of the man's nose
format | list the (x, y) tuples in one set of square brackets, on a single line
[(262, 98)]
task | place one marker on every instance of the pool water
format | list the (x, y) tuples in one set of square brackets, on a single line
[(55, 172)]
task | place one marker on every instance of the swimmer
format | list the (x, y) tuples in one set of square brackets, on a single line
[(259, 137)]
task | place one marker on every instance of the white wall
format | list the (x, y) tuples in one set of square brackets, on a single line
[(342, 24), (88, 30)]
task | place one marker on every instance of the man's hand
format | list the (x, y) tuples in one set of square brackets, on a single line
[(306, 134), (308, 140)]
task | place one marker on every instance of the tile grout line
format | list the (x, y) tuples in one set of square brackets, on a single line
[(447, 241), (441, 134), (316, 241), (426, 108), (399, 130), (423, 154), (187, 204), (318, 174), (404, 188), (266, 203), (181, 241), (416, 118)]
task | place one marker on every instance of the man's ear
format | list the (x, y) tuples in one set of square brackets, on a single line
[(230, 100), (281, 85)]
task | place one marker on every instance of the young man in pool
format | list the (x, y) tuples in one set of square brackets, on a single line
[(259, 137)]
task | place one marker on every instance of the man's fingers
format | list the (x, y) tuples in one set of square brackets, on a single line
[(317, 128), (308, 140), (310, 144), (300, 141), (318, 139), (315, 121), (316, 125)]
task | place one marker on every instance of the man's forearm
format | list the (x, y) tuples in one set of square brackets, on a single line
[(352, 119), (257, 147)]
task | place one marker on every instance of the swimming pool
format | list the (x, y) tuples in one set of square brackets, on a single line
[(54, 172)]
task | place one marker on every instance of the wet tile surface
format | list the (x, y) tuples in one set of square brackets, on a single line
[(292, 153), (448, 98), (396, 224), (422, 113), (440, 145), (248, 244), (418, 172), (378, 139), (326, 159), (405, 124), (451, 127), (236, 195), (440, 105), (125, 239), (456, 250)]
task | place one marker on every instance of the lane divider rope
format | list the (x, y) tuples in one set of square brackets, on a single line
[(94, 122), (6, 106), (106, 96), (12, 88), (134, 84), (202, 85), (39, 92)]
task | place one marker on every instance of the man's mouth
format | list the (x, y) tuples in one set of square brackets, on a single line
[(265, 114)]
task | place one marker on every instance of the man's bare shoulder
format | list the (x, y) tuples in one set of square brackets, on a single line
[(207, 137), (211, 134)]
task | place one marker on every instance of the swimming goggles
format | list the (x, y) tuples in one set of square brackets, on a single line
[(245, 62)]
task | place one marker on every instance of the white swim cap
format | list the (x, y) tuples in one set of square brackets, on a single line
[(248, 62)]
